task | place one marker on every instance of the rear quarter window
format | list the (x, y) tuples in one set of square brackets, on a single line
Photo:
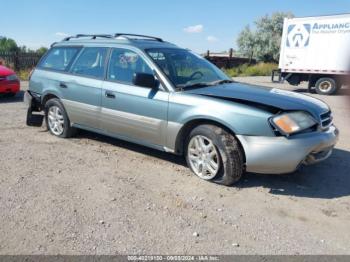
[(59, 58)]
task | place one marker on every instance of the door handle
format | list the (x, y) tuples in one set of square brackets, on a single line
[(109, 94), (63, 85)]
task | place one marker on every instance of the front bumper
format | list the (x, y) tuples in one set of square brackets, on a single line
[(278, 155)]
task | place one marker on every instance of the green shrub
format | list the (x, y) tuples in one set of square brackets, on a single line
[(23, 74), (261, 69)]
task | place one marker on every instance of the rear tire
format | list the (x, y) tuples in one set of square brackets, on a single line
[(57, 120), (326, 86), (230, 155)]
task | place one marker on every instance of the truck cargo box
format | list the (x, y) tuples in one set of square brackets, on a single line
[(316, 44)]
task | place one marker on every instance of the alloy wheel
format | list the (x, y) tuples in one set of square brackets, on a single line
[(203, 157), (55, 120)]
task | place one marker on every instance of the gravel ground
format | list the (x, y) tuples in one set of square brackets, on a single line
[(96, 195)]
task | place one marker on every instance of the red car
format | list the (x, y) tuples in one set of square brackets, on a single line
[(9, 82)]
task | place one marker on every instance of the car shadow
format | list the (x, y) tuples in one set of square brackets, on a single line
[(327, 180), (4, 98), (179, 160)]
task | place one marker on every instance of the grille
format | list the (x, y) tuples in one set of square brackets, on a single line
[(326, 119)]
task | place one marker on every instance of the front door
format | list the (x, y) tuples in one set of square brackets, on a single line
[(131, 111)]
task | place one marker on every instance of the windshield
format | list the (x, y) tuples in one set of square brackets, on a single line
[(186, 69)]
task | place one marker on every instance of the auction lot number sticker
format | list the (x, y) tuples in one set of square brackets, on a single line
[(173, 258)]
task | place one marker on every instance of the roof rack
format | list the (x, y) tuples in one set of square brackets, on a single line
[(144, 36), (92, 36)]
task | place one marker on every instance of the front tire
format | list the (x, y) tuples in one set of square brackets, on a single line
[(57, 120), (214, 154)]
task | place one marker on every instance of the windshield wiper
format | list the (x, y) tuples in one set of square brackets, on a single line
[(196, 85), (220, 82), (204, 84)]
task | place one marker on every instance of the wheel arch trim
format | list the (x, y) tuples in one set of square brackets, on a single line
[(48, 95), (186, 128)]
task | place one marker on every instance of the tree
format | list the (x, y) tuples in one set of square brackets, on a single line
[(42, 50), (8, 45), (264, 42), (246, 43), (23, 49)]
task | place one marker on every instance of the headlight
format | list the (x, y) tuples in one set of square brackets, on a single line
[(11, 78), (289, 123)]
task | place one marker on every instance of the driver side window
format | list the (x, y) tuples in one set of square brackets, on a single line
[(124, 64)]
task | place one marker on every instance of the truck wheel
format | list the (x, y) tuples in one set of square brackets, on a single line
[(57, 120), (214, 154), (326, 86)]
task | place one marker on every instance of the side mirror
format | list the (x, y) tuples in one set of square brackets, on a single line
[(145, 80)]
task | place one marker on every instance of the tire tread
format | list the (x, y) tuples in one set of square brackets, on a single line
[(231, 154)]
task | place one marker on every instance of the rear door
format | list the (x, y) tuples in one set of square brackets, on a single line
[(82, 87), (131, 111)]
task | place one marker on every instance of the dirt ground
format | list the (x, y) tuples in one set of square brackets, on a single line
[(96, 195)]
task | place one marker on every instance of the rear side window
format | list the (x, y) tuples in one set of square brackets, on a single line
[(91, 62), (59, 58)]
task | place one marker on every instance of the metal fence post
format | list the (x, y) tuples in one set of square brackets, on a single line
[(16, 61)]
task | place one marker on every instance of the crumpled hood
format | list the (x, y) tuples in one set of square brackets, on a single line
[(277, 98)]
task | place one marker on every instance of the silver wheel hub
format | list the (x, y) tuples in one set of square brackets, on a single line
[(55, 120), (203, 157), (325, 86)]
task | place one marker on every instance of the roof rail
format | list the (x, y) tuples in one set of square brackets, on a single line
[(144, 36), (92, 36)]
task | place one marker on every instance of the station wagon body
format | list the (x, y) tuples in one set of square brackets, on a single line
[(153, 93)]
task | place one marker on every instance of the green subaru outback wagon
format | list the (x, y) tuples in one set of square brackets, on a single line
[(153, 93)]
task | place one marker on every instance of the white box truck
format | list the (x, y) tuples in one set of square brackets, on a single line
[(317, 50)]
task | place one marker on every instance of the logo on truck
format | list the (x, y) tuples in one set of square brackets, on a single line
[(298, 35)]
